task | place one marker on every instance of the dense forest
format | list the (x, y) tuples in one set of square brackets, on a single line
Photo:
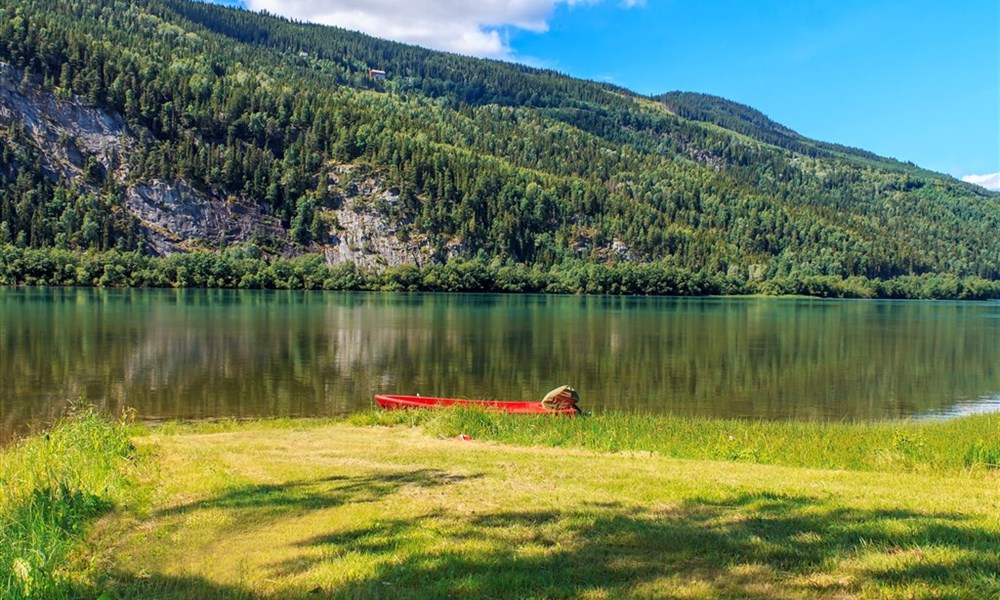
[(531, 180)]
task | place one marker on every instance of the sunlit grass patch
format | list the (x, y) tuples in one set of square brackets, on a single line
[(347, 512), (304, 509), (966, 444)]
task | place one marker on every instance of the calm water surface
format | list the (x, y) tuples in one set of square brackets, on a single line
[(220, 353)]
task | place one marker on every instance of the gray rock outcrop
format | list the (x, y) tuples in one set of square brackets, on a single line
[(365, 223)]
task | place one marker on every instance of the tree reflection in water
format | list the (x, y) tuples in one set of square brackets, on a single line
[(227, 353)]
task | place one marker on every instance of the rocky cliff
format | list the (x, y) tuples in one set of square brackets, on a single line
[(366, 229), (73, 138)]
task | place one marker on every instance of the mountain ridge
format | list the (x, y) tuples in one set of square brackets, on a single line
[(679, 102), (468, 157), (752, 122)]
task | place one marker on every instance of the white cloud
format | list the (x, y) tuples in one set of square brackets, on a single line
[(472, 27), (990, 181)]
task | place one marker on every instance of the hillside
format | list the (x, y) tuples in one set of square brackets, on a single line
[(166, 126), (755, 124)]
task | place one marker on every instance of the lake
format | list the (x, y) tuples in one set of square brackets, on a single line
[(196, 354)]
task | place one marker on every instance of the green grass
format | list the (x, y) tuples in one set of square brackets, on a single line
[(971, 443), (623, 507), (286, 510), (51, 487)]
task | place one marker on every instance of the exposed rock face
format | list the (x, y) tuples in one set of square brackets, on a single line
[(364, 230), (66, 131), (178, 218), (175, 216), (367, 226), (365, 237)]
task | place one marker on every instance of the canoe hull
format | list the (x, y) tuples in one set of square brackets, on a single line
[(393, 402)]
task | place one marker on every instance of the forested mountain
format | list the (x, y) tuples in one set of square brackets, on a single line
[(753, 123), (156, 127)]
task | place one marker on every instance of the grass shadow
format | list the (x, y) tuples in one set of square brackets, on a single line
[(752, 546), (122, 586), (273, 500), (747, 545)]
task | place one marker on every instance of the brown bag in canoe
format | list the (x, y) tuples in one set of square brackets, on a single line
[(561, 398)]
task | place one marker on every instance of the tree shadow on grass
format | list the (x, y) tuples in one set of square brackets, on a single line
[(262, 501), (750, 546), (257, 504), (121, 586), (745, 546)]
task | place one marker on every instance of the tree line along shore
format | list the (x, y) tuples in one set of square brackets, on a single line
[(244, 268)]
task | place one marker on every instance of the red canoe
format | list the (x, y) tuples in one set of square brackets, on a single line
[(389, 402)]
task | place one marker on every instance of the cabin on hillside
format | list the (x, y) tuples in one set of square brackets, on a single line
[(376, 73)]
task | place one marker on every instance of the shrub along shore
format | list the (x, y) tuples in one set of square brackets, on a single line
[(396, 505), (245, 267)]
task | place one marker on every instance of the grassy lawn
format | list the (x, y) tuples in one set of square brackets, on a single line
[(394, 506), (334, 510)]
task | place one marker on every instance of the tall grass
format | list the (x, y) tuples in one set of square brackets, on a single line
[(51, 486), (970, 443)]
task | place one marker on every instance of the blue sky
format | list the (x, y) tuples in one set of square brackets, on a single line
[(916, 80)]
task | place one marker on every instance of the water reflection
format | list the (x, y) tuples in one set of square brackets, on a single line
[(196, 353), (964, 408)]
